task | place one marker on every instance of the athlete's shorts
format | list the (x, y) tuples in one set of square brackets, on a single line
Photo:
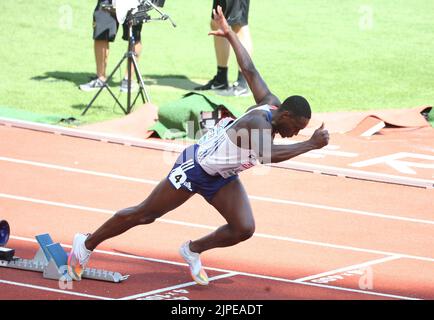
[(189, 175), (235, 11), (105, 26)]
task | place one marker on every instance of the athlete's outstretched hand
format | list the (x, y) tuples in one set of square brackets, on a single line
[(220, 20), (320, 137)]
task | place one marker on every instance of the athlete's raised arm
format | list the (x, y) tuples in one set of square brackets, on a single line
[(259, 88)]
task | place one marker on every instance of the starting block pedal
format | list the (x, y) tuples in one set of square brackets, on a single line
[(51, 259)]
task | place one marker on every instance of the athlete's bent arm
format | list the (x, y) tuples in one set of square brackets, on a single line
[(268, 152), (259, 88)]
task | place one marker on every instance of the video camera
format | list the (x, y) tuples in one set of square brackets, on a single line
[(134, 11), (112, 3)]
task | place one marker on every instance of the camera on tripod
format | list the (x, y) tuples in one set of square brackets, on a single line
[(131, 12), (110, 5), (134, 11)]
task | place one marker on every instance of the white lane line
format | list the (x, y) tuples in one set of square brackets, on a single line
[(72, 293), (175, 147), (257, 235), (353, 267), (372, 293), (344, 210), (75, 170), (324, 286), (55, 204), (252, 197), (240, 273), (179, 286)]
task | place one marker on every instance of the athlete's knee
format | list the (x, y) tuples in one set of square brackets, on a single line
[(245, 231), (148, 216), (126, 214), (136, 215), (147, 219)]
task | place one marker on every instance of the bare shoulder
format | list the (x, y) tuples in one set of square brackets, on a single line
[(270, 99), (257, 119)]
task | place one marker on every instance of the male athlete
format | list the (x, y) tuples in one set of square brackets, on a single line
[(210, 168)]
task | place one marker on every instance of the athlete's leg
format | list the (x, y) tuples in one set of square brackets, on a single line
[(233, 204), (162, 199)]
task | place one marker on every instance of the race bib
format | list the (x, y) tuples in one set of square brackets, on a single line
[(177, 177)]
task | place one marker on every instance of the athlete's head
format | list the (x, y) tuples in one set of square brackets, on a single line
[(292, 116)]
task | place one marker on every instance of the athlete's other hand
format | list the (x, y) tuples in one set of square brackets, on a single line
[(220, 20), (320, 137)]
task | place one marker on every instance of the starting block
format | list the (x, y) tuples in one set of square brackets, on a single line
[(51, 259)]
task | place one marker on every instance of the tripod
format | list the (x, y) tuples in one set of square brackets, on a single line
[(131, 61)]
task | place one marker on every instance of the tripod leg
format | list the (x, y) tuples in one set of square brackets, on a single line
[(129, 106), (140, 93), (93, 99), (117, 101), (141, 82), (105, 86)]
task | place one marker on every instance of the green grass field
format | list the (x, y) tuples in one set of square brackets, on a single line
[(332, 52)]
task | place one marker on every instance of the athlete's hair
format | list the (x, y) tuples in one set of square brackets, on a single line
[(297, 105)]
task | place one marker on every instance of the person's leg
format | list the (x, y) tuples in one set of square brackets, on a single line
[(101, 48), (137, 51), (238, 17), (243, 33), (222, 48), (162, 199), (104, 31), (233, 204), (222, 53)]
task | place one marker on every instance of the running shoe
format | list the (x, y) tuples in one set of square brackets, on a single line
[(192, 258), (124, 86), (236, 90), (78, 257), (92, 85), (213, 84)]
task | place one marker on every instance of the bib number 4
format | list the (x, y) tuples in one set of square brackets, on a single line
[(177, 177)]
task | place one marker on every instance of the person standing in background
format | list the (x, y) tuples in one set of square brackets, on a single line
[(105, 27), (237, 15)]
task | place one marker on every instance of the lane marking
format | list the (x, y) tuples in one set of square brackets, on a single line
[(76, 170), (72, 293), (330, 208), (386, 295), (352, 267), (179, 286), (195, 225), (240, 273), (175, 147), (357, 174), (395, 161), (252, 197)]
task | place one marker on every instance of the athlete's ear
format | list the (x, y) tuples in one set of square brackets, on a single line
[(286, 114)]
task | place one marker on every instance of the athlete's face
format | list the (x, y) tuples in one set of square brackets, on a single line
[(290, 125)]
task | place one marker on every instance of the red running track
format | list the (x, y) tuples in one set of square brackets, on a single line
[(318, 236)]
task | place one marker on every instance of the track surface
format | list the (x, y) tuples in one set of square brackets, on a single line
[(317, 236)]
